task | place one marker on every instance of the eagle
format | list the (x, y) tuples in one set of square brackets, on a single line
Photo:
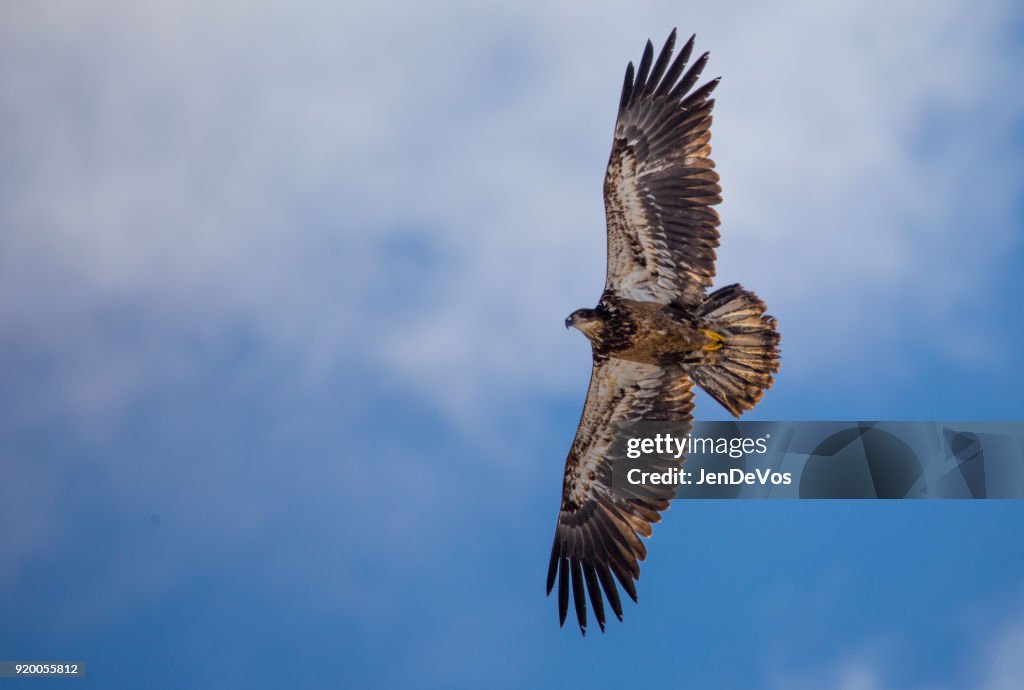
[(656, 330)]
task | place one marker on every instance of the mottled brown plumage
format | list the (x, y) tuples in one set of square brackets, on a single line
[(655, 331)]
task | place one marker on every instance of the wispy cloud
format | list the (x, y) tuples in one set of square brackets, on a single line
[(993, 659)]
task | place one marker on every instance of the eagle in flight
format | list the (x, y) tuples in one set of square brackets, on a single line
[(655, 331)]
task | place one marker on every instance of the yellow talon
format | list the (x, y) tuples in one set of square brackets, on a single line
[(717, 340)]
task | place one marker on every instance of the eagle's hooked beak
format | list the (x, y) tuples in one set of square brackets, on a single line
[(568, 322)]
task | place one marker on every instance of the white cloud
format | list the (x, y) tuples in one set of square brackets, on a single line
[(1004, 669), (994, 660), (203, 165)]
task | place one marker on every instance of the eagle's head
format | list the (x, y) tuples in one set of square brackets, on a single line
[(587, 321)]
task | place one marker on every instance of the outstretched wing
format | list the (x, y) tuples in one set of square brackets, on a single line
[(661, 184), (598, 533)]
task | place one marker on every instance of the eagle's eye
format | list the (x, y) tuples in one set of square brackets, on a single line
[(580, 317)]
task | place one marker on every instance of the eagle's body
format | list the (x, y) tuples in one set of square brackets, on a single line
[(655, 331), (643, 332)]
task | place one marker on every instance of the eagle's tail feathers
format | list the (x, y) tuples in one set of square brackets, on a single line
[(742, 351)]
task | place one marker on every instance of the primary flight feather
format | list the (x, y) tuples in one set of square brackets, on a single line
[(655, 330)]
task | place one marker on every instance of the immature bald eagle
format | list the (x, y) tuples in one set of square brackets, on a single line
[(654, 331)]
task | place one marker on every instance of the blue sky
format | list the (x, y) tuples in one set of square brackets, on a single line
[(286, 393)]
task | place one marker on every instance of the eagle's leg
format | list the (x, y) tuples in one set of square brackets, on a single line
[(717, 340)]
